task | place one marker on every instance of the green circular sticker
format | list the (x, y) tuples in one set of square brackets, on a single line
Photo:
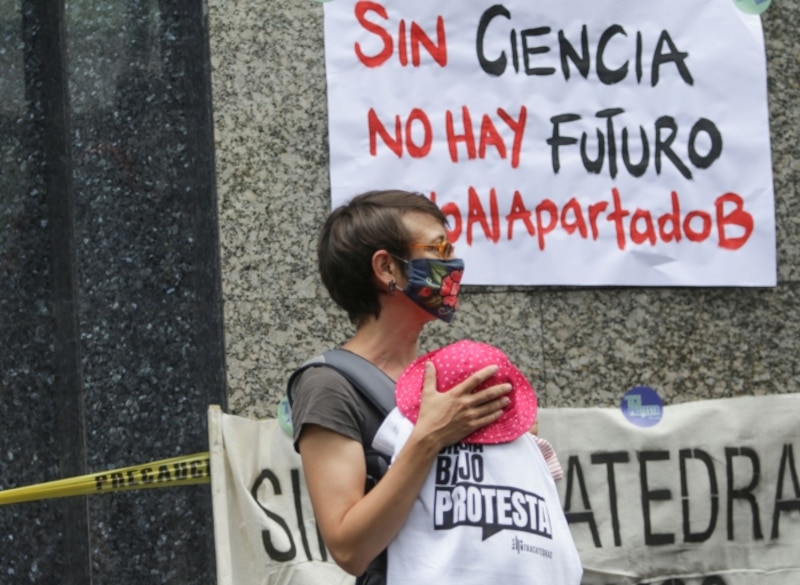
[(753, 6)]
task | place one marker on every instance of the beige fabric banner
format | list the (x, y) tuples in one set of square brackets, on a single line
[(264, 527), (707, 496)]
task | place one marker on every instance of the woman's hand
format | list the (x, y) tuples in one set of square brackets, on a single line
[(450, 416)]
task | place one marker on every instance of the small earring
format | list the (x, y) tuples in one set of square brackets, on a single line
[(392, 286)]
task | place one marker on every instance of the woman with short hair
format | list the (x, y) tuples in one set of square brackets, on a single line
[(384, 257)]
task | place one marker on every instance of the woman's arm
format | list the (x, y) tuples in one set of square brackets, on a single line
[(358, 527)]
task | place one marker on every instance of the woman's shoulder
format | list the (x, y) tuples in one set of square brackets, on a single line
[(321, 379), (323, 397), (321, 393)]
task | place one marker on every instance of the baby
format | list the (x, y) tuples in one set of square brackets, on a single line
[(489, 510)]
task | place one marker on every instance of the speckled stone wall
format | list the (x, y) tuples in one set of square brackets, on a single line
[(111, 345), (580, 346)]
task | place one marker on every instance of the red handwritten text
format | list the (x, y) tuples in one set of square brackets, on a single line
[(415, 135), (409, 37), (639, 227)]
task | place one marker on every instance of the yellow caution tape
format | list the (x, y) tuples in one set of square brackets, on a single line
[(185, 470)]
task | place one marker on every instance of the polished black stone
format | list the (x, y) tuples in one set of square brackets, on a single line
[(110, 296)]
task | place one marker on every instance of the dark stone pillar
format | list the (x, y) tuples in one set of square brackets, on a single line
[(110, 295)]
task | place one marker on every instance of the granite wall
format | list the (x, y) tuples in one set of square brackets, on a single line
[(579, 346)]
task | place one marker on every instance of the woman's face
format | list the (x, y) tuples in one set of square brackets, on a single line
[(432, 273)]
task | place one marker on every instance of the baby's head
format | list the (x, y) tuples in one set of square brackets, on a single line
[(455, 363)]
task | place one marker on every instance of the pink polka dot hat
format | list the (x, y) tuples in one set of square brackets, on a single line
[(455, 363)]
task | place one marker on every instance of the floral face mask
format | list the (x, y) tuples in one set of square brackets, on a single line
[(433, 285)]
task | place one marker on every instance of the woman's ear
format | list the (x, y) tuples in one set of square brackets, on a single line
[(383, 269)]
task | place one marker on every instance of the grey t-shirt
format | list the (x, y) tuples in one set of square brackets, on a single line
[(324, 397)]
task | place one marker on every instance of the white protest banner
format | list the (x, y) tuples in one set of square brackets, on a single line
[(579, 142), (264, 527), (708, 496)]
